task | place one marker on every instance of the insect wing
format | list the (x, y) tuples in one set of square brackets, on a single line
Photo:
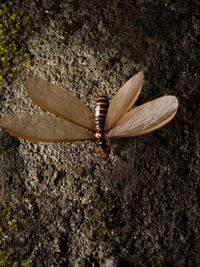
[(124, 100), (56, 100), (146, 118), (45, 128)]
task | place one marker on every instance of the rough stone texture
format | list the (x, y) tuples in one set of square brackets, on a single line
[(140, 205)]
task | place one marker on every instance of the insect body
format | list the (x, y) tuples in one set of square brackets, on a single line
[(74, 121), (101, 110)]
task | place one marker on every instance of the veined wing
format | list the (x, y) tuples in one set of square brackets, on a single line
[(45, 128), (56, 100), (124, 100), (146, 118)]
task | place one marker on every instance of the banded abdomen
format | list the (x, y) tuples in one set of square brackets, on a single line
[(101, 109)]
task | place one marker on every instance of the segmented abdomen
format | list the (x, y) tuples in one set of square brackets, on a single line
[(101, 109)]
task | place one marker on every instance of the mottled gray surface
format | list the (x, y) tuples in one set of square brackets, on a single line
[(140, 205)]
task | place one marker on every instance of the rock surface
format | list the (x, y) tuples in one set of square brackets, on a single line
[(140, 205)]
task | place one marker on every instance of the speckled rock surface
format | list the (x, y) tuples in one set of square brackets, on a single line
[(140, 205)]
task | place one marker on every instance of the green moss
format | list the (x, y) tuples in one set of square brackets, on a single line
[(5, 259), (15, 264), (13, 47), (26, 264), (12, 217), (104, 219), (167, 2)]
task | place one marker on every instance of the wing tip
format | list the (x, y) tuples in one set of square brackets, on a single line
[(141, 74), (173, 100), (137, 78)]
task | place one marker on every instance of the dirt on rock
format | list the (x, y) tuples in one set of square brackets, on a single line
[(62, 204)]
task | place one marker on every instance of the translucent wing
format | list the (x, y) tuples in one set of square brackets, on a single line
[(124, 100), (45, 128), (146, 118), (55, 99)]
